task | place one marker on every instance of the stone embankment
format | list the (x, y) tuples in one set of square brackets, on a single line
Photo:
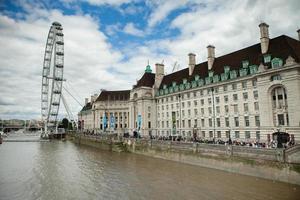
[(274, 164)]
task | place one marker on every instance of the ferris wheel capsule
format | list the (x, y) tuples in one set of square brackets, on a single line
[(52, 77)]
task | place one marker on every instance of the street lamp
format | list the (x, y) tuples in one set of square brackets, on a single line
[(214, 114)]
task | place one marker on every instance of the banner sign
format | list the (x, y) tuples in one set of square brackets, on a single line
[(139, 121), (112, 122), (104, 122)]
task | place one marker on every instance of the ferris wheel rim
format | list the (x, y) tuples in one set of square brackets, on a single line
[(52, 86)]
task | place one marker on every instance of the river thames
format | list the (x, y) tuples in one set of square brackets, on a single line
[(63, 170)]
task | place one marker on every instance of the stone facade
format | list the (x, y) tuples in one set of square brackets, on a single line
[(245, 95)]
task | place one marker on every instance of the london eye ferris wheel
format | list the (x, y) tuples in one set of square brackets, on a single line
[(52, 77)]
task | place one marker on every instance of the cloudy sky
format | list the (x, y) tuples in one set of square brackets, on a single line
[(109, 42)]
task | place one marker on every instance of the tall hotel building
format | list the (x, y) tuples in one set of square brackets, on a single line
[(247, 95)]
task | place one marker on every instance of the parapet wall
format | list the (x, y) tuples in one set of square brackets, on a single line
[(274, 164)]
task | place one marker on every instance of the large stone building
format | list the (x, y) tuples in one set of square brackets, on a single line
[(246, 95)]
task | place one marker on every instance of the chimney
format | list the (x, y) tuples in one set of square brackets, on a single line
[(159, 74), (192, 63), (86, 100), (210, 56), (298, 34), (264, 37), (92, 98)]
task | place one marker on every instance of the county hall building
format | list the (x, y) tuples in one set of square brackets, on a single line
[(246, 95)]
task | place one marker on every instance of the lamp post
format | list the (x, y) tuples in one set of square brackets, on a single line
[(179, 99), (214, 114)]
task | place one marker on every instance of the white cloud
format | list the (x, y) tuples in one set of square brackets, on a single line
[(108, 2), (88, 59), (132, 30), (161, 9)]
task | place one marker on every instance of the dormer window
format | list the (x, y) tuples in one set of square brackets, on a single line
[(253, 69), (245, 63), (174, 84), (267, 58), (196, 77), (184, 81), (211, 74), (165, 86), (276, 62), (226, 69)]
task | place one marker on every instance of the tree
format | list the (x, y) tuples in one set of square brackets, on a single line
[(65, 123)]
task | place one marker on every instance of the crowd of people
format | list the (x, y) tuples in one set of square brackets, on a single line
[(256, 144)]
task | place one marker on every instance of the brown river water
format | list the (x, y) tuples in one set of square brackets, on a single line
[(62, 170)]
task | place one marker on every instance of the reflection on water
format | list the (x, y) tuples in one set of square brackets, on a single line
[(62, 170)]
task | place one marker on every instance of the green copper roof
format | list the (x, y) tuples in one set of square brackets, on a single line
[(148, 69)]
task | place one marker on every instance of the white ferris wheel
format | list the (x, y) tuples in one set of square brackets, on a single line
[(52, 77)]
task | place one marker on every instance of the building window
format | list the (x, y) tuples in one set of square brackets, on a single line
[(236, 121), (267, 58), (226, 109), (225, 88), (234, 86), (226, 98), (202, 102), (256, 107), (189, 112), (167, 107), (226, 121), (218, 122), (182, 104), (211, 135), (216, 89), (235, 108), (257, 135), (276, 77), (182, 113), (257, 121), (209, 110), (209, 100), (244, 84), (280, 119), (276, 62), (219, 134), (195, 103), (218, 109), (195, 94), (202, 122), (246, 109), (255, 94), (247, 134), (189, 104), (201, 92), (217, 100), (183, 124), (245, 95), (247, 123), (195, 123), (227, 134), (189, 123), (254, 82), (203, 134), (196, 111), (167, 124), (210, 122), (237, 134), (235, 97)]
